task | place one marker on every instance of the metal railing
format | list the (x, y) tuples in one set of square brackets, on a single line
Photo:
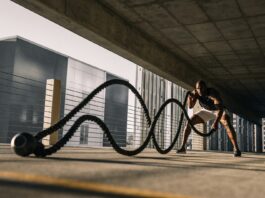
[(22, 102)]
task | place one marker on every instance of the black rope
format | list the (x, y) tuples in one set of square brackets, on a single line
[(42, 152)]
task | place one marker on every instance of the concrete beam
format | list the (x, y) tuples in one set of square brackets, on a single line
[(100, 25), (239, 106)]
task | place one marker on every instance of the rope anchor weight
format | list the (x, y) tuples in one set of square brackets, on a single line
[(24, 144)]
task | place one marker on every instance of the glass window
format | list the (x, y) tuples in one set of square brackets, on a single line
[(84, 134)]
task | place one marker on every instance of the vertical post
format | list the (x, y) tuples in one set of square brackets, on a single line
[(52, 109), (259, 139), (198, 142)]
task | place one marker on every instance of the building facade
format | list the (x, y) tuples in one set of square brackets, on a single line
[(263, 134), (155, 90), (24, 69)]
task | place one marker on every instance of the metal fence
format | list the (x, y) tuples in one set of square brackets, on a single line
[(22, 106)]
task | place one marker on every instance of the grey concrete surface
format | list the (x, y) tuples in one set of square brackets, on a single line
[(195, 174)]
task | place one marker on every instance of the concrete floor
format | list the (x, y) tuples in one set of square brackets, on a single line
[(76, 170)]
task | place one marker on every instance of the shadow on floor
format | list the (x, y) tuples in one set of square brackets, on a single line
[(164, 163), (43, 188)]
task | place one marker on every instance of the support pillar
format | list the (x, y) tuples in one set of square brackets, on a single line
[(198, 142), (52, 109), (258, 138)]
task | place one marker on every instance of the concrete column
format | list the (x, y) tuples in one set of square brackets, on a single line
[(52, 109), (198, 142), (258, 138)]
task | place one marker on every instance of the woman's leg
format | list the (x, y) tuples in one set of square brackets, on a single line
[(225, 121), (195, 119)]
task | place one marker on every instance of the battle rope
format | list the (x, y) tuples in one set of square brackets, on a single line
[(25, 144)]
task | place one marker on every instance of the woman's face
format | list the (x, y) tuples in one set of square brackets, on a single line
[(201, 89)]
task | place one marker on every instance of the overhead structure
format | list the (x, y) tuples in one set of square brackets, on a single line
[(222, 42)]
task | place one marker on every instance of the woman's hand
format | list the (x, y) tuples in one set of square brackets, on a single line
[(194, 94)]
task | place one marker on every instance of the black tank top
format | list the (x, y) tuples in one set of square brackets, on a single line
[(206, 102)]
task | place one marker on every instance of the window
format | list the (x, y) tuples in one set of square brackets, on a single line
[(84, 134)]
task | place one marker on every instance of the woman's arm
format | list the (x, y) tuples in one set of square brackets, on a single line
[(219, 106), (192, 99)]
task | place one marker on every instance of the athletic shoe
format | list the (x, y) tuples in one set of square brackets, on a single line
[(181, 151), (237, 153)]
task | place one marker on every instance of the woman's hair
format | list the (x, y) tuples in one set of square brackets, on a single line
[(201, 82)]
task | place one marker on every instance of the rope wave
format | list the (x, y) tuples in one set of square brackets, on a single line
[(39, 150)]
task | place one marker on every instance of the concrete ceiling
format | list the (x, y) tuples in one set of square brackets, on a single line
[(223, 39)]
